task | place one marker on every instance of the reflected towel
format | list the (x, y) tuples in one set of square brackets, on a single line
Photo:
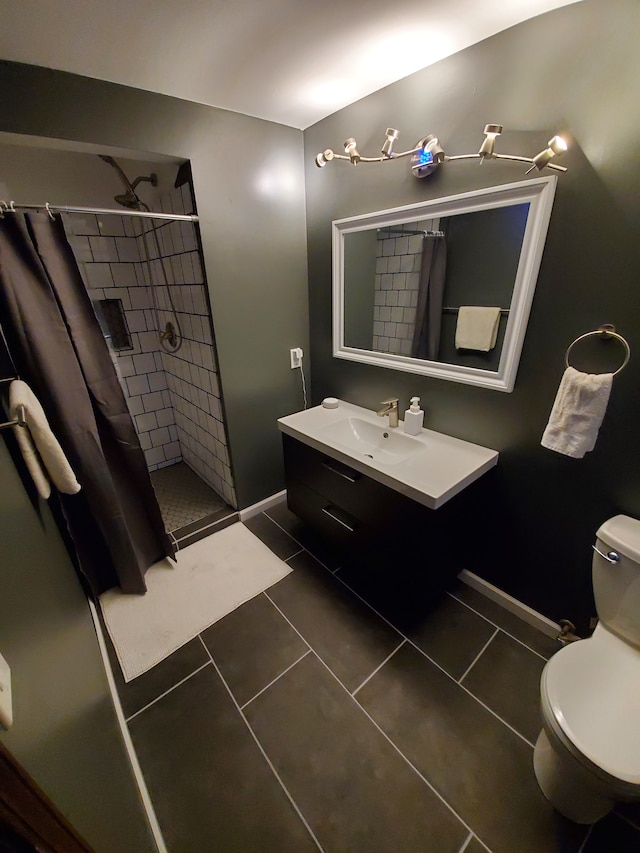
[(577, 412), (477, 327), (38, 444)]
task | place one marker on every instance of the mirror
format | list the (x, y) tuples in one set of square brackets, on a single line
[(402, 276)]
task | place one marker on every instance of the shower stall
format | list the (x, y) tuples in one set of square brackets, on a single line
[(146, 281)]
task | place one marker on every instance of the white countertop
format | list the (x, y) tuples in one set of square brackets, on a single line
[(431, 475)]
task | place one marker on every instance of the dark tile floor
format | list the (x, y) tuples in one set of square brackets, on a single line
[(308, 720)]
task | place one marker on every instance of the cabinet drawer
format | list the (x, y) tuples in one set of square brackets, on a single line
[(355, 493), (332, 521)]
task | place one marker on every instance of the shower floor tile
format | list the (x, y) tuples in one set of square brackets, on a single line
[(184, 497)]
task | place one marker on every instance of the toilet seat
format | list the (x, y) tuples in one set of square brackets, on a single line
[(592, 689)]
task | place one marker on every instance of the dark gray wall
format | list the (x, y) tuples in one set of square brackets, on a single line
[(249, 187), (65, 732), (575, 71)]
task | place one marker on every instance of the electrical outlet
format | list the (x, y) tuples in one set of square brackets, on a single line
[(6, 710), (296, 357)]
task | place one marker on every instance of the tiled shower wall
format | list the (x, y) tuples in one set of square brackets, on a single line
[(173, 398), (396, 287)]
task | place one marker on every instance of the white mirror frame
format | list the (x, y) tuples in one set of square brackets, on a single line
[(539, 193)]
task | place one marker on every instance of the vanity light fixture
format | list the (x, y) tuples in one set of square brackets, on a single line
[(428, 154), (556, 145), (490, 133), (387, 147), (351, 150)]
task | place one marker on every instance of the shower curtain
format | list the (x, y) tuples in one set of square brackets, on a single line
[(433, 267), (59, 350)]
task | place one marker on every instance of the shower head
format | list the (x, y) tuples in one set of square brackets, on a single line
[(129, 198)]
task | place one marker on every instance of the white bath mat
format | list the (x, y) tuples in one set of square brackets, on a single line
[(212, 577)]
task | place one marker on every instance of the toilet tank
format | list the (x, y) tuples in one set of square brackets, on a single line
[(616, 585)]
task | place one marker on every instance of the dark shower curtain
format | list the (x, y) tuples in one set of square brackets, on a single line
[(59, 350), (433, 268)]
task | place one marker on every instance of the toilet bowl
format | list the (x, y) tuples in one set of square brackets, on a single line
[(587, 756)]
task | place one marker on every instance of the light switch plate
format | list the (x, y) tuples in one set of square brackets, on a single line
[(6, 705)]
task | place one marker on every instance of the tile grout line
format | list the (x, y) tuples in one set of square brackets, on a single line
[(466, 843), (379, 667), (424, 654), (477, 657), (293, 555), (583, 846), (628, 820), (273, 681), (262, 750), (495, 625), (331, 571), (382, 732), (166, 692)]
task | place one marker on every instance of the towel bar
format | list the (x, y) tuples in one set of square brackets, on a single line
[(19, 421), (607, 330)]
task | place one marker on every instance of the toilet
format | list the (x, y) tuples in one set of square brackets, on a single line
[(587, 756)]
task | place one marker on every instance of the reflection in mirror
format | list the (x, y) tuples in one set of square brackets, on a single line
[(443, 288), (452, 262)]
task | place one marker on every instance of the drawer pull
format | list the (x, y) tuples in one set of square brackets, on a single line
[(325, 510), (351, 479)]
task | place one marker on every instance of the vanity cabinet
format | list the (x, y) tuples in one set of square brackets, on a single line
[(371, 523)]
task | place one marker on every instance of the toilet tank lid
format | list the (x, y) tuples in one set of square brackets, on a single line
[(622, 534)]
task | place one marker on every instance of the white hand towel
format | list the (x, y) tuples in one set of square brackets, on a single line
[(477, 327), (577, 412), (39, 445)]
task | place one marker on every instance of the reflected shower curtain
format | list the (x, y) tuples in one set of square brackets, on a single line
[(58, 349), (433, 268)]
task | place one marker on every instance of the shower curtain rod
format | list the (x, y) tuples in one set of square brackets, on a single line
[(12, 206)]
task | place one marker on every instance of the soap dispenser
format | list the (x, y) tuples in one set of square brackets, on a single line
[(413, 417)]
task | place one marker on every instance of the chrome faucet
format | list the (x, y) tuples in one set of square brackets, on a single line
[(391, 409)]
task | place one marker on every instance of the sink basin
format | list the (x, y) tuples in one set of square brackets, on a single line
[(373, 441), (430, 467)]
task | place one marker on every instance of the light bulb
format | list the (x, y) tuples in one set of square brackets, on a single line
[(387, 147), (351, 150)]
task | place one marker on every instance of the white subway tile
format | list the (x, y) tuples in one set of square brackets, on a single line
[(125, 363), (153, 401), (127, 249), (187, 267), (103, 248), (136, 321), (165, 417), (83, 223), (110, 226), (137, 385), (99, 275), (154, 455), (159, 436), (124, 274), (144, 363), (158, 381), (145, 440), (146, 422), (135, 405)]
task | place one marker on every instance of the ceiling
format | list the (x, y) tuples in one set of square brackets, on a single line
[(289, 61)]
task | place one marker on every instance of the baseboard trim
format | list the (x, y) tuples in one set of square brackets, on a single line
[(262, 506), (526, 613), (128, 743)]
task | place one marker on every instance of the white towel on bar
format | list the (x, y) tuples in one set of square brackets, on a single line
[(38, 444), (577, 412), (477, 327)]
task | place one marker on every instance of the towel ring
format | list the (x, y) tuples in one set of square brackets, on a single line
[(605, 331)]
